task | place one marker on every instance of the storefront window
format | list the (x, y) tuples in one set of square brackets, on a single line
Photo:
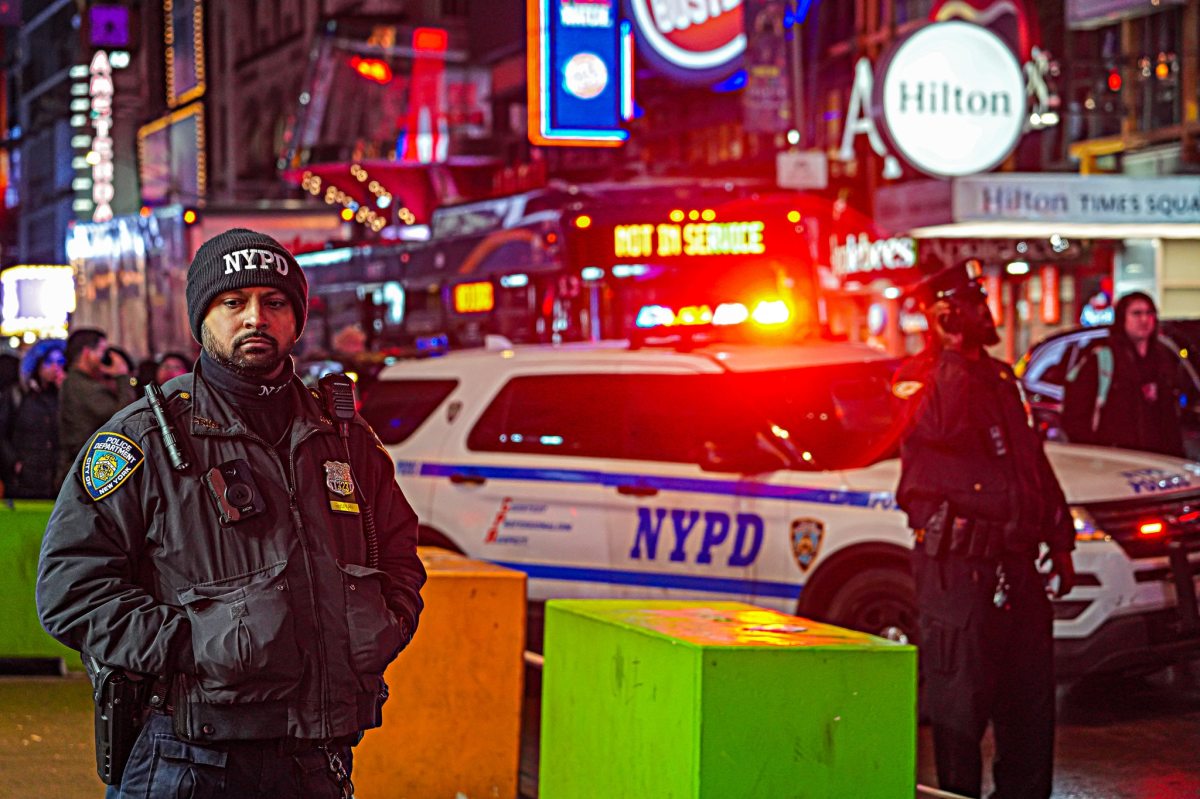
[(1157, 70), (1095, 75)]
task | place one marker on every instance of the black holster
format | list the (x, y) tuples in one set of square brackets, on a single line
[(120, 713), (936, 538)]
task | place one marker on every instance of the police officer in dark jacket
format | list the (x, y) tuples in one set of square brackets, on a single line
[(982, 499), (237, 576)]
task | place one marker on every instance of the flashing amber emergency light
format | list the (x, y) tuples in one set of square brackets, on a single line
[(583, 221), (474, 297), (1151, 528), (189, 217)]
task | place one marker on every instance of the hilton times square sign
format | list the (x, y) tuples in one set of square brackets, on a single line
[(952, 99)]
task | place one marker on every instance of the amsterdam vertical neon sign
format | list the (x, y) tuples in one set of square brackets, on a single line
[(100, 91), (579, 92)]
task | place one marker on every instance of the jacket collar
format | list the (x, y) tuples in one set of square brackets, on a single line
[(213, 416)]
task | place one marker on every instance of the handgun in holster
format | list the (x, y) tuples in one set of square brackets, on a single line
[(120, 711), (935, 535)]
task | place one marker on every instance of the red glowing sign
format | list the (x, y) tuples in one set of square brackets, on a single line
[(687, 37), (1051, 302), (430, 39)]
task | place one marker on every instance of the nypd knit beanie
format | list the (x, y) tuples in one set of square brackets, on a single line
[(238, 259)]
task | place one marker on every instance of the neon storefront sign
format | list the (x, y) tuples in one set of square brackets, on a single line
[(691, 40)]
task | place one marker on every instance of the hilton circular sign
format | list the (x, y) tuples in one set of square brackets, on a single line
[(953, 99), (692, 41)]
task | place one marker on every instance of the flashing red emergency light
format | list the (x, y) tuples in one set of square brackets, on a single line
[(1149, 529), (372, 69)]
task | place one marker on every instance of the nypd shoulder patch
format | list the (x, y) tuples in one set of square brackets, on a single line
[(109, 461)]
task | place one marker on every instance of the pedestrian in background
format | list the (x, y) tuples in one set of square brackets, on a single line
[(262, 585), (1125, 390), (10, 397), (96, 386), (172, 364), (35, 423), (981, 499)]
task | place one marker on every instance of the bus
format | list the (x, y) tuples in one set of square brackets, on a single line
[(585, 263)]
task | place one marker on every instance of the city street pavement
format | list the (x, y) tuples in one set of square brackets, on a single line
[(1134, 738)]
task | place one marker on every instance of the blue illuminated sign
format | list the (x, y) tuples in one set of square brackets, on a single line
[(579, 56)]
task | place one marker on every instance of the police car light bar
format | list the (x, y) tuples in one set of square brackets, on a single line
[(767, 313)]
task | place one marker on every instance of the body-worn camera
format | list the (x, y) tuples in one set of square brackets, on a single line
[(234, 492)]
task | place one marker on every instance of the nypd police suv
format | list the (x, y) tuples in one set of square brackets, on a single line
[(740, 472)]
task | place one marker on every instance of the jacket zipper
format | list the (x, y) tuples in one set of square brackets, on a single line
[(322, 669), (289, 477)]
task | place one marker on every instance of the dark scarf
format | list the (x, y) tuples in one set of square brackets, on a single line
[(264, 405)]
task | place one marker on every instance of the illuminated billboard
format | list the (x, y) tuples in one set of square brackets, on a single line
[(171, 158), (580, 73), (36, 300)]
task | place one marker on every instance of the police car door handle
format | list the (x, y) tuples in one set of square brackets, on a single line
[(458, 478), (637, 491)]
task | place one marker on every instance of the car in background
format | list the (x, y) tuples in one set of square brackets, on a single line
[(1043, 373), (764, 474)]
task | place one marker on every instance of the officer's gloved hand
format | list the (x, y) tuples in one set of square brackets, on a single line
[(1062, 567)]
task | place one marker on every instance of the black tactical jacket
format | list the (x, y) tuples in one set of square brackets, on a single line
[(969, 443), (269, 627)]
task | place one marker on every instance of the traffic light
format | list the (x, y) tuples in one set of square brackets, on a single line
[(1114, 80)]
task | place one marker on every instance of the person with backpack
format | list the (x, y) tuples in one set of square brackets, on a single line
[(1125, 390)]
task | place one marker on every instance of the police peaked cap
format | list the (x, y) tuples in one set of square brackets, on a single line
[(958, 280)]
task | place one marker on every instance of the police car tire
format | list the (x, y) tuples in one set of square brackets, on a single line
[(874, 600)]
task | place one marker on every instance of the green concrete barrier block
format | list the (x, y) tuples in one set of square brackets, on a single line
[(21, 634), (721, 700)]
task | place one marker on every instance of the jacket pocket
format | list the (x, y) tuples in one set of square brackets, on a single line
[(243, 636), (373, 630)]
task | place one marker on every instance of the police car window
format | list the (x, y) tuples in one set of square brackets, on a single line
[(836, 417), (553, 414), (675, 417), (1049, 365), (396, 408)]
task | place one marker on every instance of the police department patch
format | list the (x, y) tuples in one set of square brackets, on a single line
[(108, 462), (807, 535)]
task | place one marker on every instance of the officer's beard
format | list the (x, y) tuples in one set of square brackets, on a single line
[(257, 364), (980, 333)]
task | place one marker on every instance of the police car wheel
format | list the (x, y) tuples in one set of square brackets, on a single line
[(877, 601)]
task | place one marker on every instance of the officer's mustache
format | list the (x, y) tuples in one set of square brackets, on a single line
[(237, 342)]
